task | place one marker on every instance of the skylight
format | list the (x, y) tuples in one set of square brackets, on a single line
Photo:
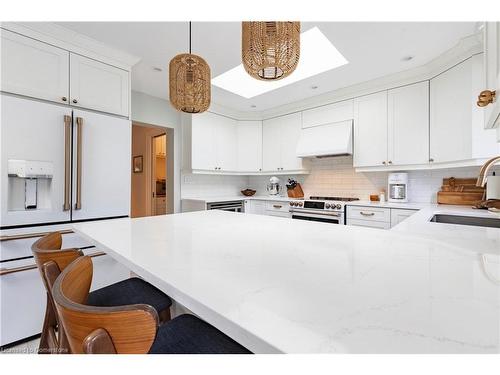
[(317, 55)]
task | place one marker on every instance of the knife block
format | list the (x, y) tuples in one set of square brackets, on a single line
[(295, 192)]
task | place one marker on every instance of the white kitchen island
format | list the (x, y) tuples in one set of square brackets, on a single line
[(294, 286)]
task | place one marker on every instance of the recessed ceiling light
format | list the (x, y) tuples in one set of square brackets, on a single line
[(253, 106), (407, 58), (155, 68), (314, 87), (317, 55)]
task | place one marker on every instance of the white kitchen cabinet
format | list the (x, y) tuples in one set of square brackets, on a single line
[(370, 130), (213, 143), (105, 152), (249, 146), (451, 115), (33, 68), (203, 141), (398, 215), (226, 144), (408, 124), (456, 122), (280, 136), (369, 213), (492, 73), (98, 86), (336, 112), (256, 207)]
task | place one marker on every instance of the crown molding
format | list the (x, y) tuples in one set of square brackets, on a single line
[(72, 41)]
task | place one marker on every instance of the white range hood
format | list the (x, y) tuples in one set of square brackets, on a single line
[(326, 140)]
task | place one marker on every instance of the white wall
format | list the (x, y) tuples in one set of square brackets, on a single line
[(199, 185), (148, 109)]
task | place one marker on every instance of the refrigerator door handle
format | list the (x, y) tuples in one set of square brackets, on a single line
[(79, 124), (67, 162)]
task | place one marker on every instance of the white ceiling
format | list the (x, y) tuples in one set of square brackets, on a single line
[(373, 49)]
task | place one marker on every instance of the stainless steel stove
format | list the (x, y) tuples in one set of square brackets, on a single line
[(323, 209)]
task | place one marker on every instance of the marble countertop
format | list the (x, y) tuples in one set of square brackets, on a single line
[(295, 286)]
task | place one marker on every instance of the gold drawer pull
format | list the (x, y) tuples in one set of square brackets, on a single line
[(367, 213), (277, 206)]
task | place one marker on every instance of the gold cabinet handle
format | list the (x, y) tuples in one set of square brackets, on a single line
[(79, 125), (367, 213), (486, 97), (67, 162), (277, 206)]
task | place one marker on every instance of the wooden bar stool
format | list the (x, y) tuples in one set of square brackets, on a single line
[(127, 329), (126, 292)]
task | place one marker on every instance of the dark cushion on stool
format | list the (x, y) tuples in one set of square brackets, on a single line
[(188, 334), (129, 292)]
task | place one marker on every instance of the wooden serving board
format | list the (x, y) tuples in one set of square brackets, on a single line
[(460, 191)]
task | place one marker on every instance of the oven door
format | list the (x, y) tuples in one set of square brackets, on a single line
[(331, 217)]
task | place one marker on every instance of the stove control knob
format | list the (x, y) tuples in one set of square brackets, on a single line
[(327, 205), (291, 204), (339, 206), (300, 204)]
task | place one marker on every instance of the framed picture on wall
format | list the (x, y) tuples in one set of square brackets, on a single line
[(137, 164)]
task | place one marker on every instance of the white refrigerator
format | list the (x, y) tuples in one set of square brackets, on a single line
[(60, 164)]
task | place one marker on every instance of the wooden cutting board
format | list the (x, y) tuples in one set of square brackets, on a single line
[(460, 191)]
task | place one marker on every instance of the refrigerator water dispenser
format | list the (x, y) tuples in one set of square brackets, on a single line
[(29, 184)]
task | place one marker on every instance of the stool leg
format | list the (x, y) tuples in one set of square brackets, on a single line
[(165, 315)]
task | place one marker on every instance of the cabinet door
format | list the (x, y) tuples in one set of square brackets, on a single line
[(291, 126), (408, 124), (32, 130), (451, 114), (226, 144), (105, 165), (98, 86), (203, 141), (370, 130), (249, 146), (33, 68), (398, 215), (492, 72), (271, 144)]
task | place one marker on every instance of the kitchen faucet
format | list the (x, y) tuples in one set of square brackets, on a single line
[(481, 180)]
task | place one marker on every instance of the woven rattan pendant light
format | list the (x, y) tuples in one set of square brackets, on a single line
[(189, 82), (270, 50)]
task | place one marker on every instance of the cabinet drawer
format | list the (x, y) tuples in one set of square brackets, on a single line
[(277, 206), (369, 223), (369, 214)]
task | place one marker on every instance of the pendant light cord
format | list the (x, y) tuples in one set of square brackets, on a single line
[(190, 37)]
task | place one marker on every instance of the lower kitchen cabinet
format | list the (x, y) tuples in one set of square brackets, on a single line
[(265, 207), (398, 215), (376, 217)]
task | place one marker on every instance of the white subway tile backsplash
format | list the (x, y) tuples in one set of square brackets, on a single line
[(328, 177)]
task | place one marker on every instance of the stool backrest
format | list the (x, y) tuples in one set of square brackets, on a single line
[(48, 249), (91, 329)]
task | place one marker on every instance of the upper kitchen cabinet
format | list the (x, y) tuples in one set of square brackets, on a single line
[(32, 68), (456, 122), (370, 130), (249, 145), (408, 124), (492, 74), (328, 114), (213, 143), (98, 86), (280, 136)]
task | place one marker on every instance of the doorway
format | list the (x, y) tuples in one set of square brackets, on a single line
[(151, 176)]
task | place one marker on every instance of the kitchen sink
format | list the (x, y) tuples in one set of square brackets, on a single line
[(466, 220)]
